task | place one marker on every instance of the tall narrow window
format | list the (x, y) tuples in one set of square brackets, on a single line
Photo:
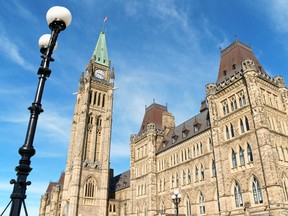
[(227, 133), (238, 195), (213, 168), (247, 124), (189, 176), (94, 99), (196, 174), (172, 181), (241, 155), (210, 144), (232, 130), (201, 148), (202, 172), (103, 100), (234, 159), (249, 153), (202, 204), (188, 207), (99, 99), (184, 178), (257, 193), (241, 126)]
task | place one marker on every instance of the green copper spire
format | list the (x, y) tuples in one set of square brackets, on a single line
[(100, 52)]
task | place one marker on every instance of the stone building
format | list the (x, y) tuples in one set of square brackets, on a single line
[(230, 159)]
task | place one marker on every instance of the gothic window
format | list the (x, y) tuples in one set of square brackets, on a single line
[(210, 144), (89, 188), (225, 108), (257, 193), (241, 155), (201, 148), (238, 195), (94, 98), (213, 169), (247, 124), (184, 178), (177, 180), (172, 181), (196, 174), (227, 133), (242, 126), (99, 99), (234, 159), (232, 130), (188, 207), (197, 149), (90, 96), (103, 100), (194, 151), (189, 176), (202, 172), (242, 99), (249, 153), (202, 204), (285, 189), (233, 104)]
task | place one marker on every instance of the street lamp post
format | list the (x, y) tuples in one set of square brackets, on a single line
[(176, 198), (58, 19)]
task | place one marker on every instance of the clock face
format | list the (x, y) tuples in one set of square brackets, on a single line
[(99, 74)]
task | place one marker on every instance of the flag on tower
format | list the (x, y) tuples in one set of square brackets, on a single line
[(105, 18)]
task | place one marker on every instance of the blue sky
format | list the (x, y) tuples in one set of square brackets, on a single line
[(166, 50)]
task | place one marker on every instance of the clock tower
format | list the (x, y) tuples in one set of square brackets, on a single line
[(85, 190)]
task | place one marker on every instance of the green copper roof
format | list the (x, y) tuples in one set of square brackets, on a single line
[(100, 51)]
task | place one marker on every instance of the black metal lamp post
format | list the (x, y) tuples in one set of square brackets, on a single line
[(176, 199), (58, 19)]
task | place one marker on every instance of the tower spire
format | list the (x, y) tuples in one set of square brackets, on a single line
[(100, 53)]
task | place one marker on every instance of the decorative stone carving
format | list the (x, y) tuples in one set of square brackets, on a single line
[(210, 89)]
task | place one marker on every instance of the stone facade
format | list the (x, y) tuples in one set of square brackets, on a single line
[(230, 159)]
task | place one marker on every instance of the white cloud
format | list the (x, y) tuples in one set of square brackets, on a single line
[(10, 49), (278, 11)]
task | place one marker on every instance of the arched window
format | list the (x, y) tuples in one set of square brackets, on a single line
[(210, 144), (201, 204), (202, 172), (241, 155), (177, 180), (247, 124), (189, 176), (238, 195), (201, 148), (234, 159), (188, 207), (232, 130), (285, 189), (227, 133), (249, 153), (213, 168), (196, 174), (242, 126), (257, 193), (172, 181), (89, 188), (184, 178)]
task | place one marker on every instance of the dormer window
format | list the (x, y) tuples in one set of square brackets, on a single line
[(185, 133), (196, 127), (174, 139)]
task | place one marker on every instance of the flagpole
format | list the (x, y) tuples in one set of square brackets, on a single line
[(103, 25)]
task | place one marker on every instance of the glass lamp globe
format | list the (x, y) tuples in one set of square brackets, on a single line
[(59, 13), (43, 41)]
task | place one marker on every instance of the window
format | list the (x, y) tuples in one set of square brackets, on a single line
[(257, 193), (174, 139), (210, 144), (225, 72), (184, 178), (242, 126), (241, 154), (238, 195), (249, 153), (196, 174), (89, 188), (188, 207), (202, 172), (242, 99), (234, 159), (201, 204), (213, 169), (189, 176), (225, 108), (201, 148), (185, 133), (234, 66), (227, 133), (232, 130), (247, 124)]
